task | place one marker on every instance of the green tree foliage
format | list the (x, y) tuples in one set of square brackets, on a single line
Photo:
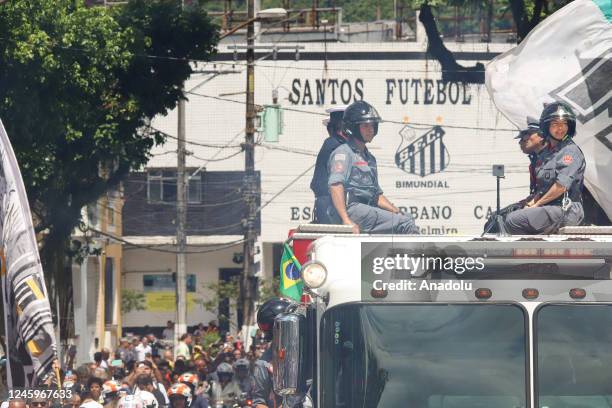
[(132, 300), (229, 291), (76, 85)]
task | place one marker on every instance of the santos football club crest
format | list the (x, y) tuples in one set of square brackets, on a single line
[(422, 155)]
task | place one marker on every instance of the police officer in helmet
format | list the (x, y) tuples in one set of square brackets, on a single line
[(323, 208), (263, 394), (559, 179), (225, 388), (353, 180)]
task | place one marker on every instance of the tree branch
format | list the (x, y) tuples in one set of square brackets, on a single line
[(451, 70), (537, 11)]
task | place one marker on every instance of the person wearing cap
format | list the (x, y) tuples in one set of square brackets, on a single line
[(557, 201), (323, 206), (533, 144)]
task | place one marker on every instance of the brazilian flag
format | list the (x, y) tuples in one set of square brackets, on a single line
[(291, 285)]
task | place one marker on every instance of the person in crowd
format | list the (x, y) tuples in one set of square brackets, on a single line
[(74, 401), (99, 361), (191, 380), (201, 368), (182, 350), (94, 386), (105, 363), (126, 353), (224, 389), (168, 332), (89, 401), (237, 354), (143, 349), (144, 387), (110, 394), (242, 373), (148, 369), (130, 401), (180, 396)]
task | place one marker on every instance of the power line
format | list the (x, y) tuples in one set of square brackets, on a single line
[(347, 69), (216, 146), (218, 98), (213, 159), (155, 247)]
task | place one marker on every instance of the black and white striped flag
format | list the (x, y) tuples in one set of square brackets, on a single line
[(31, 347)]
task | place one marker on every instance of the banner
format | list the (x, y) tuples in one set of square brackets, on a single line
[(165, 301), (566, 58), (31, 347)]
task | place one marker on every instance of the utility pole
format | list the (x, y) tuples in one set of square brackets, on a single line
[(250, 185), (180, 327)]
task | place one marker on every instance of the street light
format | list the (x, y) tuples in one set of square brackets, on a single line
[(268, 15)]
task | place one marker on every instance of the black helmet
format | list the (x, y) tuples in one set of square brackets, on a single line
[(357, 113), (241, 363), (224, 369), (267, 312), (557, 110)]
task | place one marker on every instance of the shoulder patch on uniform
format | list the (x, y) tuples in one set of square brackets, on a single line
[(339, 167), (568, 159), (340, 156)]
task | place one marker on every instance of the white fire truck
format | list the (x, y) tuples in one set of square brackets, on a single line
[(449, 322)]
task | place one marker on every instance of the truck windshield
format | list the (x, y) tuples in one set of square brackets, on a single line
[(424, 356), (574, 356)]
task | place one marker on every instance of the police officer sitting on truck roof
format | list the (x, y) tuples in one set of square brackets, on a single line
[(353, 179), (323, 207), (533, 144), (559, 179)]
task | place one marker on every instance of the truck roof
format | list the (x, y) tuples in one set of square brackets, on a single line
[(567, 234)]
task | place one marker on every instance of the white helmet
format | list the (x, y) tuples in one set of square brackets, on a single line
[(130, 401), (181, 390), (148, 399)]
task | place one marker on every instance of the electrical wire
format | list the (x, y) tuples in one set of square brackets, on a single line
[(155, 247), (384, 121)]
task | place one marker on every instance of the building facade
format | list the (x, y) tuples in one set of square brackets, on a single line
[(435, 152)]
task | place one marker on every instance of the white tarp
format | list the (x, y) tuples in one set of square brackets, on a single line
[(565, 58)]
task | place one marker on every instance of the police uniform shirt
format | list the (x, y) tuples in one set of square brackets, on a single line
[(319, 180), (357, 171), (565, 165), (535, 161)]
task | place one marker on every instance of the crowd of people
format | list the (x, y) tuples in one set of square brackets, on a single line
[(209, 367)]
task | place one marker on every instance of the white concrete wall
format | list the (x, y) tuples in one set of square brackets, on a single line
[(457, 200), (205, 266)]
